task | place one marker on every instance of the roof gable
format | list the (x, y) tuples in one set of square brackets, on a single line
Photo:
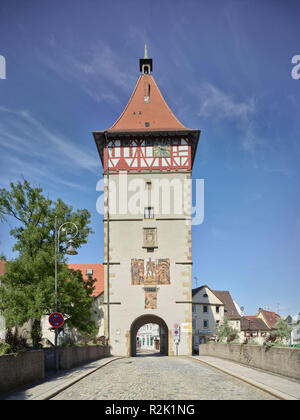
[(199, 296), (230, 308), (270, 318)]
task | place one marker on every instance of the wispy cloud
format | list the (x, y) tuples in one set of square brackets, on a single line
[(217, 104), (219, 107), (97, 69), (29, 148)]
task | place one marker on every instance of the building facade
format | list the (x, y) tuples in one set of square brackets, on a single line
[(209, 309), (148, 337), (147, 157)]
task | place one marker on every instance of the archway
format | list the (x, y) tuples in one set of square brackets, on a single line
[(149, 319)]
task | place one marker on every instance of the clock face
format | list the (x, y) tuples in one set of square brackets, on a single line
[(162, 148)]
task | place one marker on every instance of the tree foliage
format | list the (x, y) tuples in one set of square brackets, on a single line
[(226, 331), (283, 331), (27, 287)]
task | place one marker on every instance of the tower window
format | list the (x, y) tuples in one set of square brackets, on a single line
[(147, 124), (149, 213)]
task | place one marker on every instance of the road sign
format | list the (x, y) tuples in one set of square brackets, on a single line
[(176, 332), (56, 320)]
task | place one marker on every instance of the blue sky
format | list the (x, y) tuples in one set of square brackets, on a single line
[(224, 67)]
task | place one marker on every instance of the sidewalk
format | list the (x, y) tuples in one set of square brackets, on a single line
[(281, 387), (56, 382)]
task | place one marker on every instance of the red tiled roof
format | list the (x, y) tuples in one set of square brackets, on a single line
[(98, 274), (271, 318), (156, 112), (2, 265)]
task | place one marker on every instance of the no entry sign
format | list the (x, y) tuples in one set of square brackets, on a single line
[(56, 320)]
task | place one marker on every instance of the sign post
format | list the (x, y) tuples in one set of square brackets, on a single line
[(56, 320), (176, 336)]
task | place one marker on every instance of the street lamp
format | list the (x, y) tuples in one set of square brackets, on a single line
[(70, 250)]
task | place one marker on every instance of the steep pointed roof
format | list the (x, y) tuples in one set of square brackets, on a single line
[(147, 110)]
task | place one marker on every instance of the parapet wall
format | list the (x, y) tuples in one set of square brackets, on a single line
[(281, 360), (17, 370)]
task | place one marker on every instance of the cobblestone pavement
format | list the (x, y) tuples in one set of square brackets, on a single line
[(152, 377)]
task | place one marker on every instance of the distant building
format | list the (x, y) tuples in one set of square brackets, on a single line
[(148, 337), (253, 329), (294, 323), (270, 318), (208, 310)]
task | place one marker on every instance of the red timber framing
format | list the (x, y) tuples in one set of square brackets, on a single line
[(139, 155)]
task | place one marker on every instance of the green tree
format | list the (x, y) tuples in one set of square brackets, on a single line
[(282, 330), (226, 331), (27, 287)]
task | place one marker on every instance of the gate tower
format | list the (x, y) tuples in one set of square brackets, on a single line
[(147, 157)]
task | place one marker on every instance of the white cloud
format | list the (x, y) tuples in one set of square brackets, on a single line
[(217, 104), (31, 149), (45, 139), (97, 70)]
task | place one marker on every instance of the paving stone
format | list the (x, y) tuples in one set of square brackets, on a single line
[(160, 378)]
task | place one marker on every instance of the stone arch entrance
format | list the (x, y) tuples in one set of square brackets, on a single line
[(149, 319)]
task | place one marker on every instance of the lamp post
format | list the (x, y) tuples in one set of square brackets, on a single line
[(70, 250)]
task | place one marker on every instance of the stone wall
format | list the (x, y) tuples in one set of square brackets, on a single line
[(281, 360), (74, 356), (21, 369), (27, 367)]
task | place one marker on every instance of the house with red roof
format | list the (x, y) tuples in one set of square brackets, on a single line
[(270, 318), (254, 329), (96, 271)]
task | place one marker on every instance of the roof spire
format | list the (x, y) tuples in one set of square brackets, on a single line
[(146, 52), (146, 62)]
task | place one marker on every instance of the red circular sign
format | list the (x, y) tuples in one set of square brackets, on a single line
[(56, 320)]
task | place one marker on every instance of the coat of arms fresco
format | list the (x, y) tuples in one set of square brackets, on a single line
[(150, 300)]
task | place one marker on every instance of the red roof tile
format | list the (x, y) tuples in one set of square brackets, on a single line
[(2, 265), (156, 113), (98, 274), (271, 318)]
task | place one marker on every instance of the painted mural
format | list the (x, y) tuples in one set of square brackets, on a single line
[(150, 272), (163, 271), (137, 272), (150, 300)]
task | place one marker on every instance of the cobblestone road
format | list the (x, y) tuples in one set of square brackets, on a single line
[(160, 378)]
